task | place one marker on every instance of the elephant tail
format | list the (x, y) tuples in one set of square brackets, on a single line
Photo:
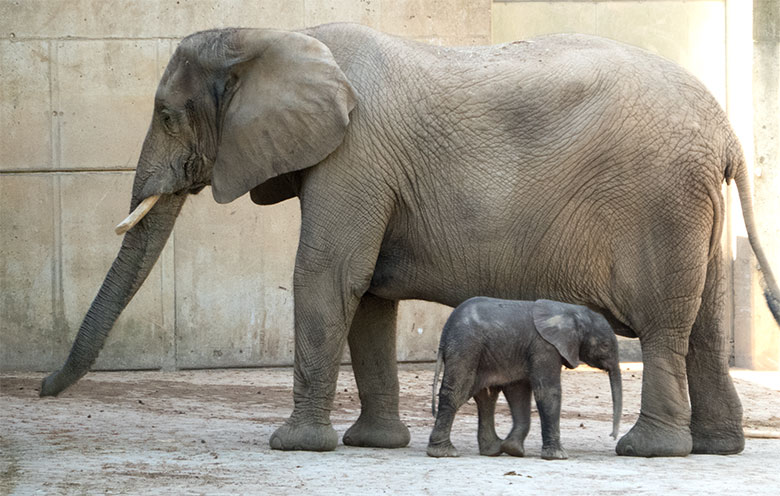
[(439, 361), (738, 170)]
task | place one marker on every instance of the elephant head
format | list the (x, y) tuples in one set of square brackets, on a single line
[(236, 109), (581, 334)]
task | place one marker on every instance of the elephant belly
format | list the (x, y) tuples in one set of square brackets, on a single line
[(489, 260), (403, 272), (447, 245)]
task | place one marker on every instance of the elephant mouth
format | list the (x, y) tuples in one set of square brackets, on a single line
[(195, 189)]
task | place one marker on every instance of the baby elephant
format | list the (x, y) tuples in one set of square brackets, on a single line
[(490, 345)]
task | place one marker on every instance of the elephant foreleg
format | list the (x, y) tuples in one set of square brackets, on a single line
[(548, 402), (716, 412), (373, 352), (319, 344), (518, 395), (333, 269)]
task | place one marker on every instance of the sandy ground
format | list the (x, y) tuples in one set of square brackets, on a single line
[(206, 432)]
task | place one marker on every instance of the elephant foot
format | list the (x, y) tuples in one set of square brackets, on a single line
[(513, 447), (650, 438), (442, 450), (373, 432), (723, 441), (554, 453), (304, 437), (490, 447)]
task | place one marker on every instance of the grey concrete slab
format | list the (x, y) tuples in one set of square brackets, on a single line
[(25, 105), (184, 18), (28, 326), (234, 267), (519, 20), (366, 12), (419, 327), (456, 21), (106, 97), (766, 170), (140, 18)]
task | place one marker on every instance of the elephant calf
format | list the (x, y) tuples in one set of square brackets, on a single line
[(490, 345)]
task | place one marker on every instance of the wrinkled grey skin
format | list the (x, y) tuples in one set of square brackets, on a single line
[(571, 168), (490, 345)]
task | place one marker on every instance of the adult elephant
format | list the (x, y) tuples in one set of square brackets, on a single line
[(568, 167)]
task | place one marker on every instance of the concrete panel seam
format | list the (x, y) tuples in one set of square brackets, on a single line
[(55, 100), (175, 349), (603, 1), (59, 321), (22, 39), (65, 170), (58, 285)]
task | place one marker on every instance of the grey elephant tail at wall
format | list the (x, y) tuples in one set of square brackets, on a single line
[(773, 303), (439, 361), (737, 169)]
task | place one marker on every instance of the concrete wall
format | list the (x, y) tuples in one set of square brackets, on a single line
[(77, 78), (757, 339)]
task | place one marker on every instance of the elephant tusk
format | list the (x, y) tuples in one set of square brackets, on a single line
[(762, 434), (136, 215)]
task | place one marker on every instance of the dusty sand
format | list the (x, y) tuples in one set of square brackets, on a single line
[(206, 432)]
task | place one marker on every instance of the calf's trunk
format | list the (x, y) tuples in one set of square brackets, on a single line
[(616, 384)]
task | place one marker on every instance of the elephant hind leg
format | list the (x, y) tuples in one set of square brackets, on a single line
[(489, 443), (663, 315), (452, 396), (716, 417), (663, 425), (373, 351)]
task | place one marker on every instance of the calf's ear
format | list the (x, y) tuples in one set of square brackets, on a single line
[(556, 323)]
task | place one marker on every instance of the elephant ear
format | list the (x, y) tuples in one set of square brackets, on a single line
[(557, 325), (288, 106)]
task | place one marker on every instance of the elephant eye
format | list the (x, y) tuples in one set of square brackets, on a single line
[(168, 121)]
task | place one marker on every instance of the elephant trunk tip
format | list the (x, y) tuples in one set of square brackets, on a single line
[(48, 386), (57, 382)]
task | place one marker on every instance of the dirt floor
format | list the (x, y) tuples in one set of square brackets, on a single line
[(206, 432)]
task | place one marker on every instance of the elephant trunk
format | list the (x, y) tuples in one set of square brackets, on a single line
[(140, 249), (616, 384)]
